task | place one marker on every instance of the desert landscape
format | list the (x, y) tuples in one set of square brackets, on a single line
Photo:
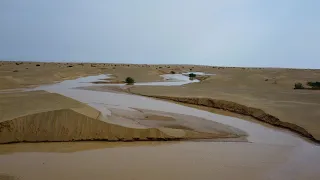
[(159, 90), (215, 112)]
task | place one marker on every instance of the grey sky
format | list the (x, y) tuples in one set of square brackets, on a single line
[(277, 33)]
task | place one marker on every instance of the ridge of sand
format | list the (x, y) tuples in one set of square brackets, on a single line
[(69, 125)]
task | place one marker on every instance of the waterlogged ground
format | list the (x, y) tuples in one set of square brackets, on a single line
[(270, 153)]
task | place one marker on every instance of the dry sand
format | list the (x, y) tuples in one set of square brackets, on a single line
[(24, 74)]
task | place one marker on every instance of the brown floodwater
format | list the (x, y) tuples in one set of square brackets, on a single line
[(270, 153)]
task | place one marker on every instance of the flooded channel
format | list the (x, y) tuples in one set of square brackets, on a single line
[(270, 153)]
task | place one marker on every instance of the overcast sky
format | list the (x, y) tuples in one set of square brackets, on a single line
[(273, 33)]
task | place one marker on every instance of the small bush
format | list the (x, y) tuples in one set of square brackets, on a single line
[(192, 75), (298, 86), (314, 85), (172, 72), (70, 66), (38, 65), (129, 80)]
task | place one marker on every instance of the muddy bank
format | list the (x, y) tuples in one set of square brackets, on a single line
[(240, 109)]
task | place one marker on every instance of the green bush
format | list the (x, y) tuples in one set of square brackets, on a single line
[(172, 72), (129, 80), (314, 85), (298, 86), (192, 75)]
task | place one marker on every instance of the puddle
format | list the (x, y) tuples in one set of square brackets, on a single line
[(170, 80), (199, 73), (272, 153)]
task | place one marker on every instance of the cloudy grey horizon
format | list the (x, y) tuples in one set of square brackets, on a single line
[(247, 33)]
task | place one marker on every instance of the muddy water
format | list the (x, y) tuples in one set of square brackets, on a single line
[(272, 153)]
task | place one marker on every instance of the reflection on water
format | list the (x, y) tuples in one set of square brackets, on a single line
[(199, 73), (170, 80)]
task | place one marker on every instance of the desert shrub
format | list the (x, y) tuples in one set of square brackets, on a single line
[(129, 80), (298, 86), (192, 75), (15, 71), (172, 72), (70, 66), (314, 85), (38, 65)]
